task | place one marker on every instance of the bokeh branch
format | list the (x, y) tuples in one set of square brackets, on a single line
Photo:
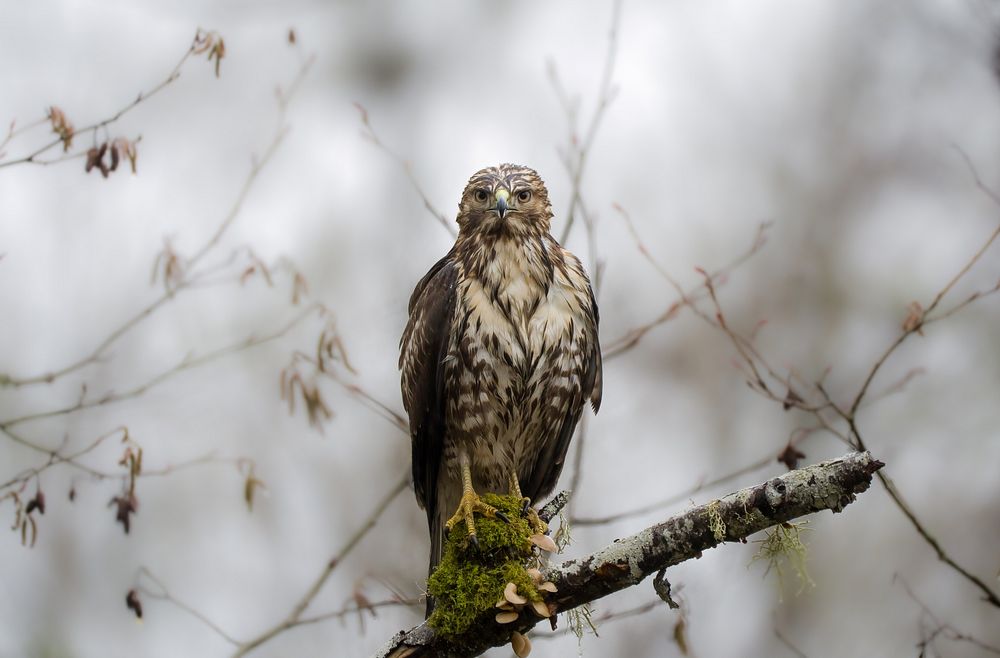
[(204, 41), (178, 273), (627, 562), (792, 390), (295, 617), (575, 157), (369, 133)]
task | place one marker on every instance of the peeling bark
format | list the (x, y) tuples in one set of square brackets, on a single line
[(626, 562)]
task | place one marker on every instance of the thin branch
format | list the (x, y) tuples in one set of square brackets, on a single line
[(988, 594), (813, 398), (609, 616), (94, 127), (627, 562), (361, 609), (940, 628), (187, 363), (675, 498), (370, 134), (788, 644), (295, 617), (171, 292), (922, 316), (575, 159), (685, 298), (162, 593)]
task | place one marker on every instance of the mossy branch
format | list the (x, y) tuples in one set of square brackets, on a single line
[(626, 562)]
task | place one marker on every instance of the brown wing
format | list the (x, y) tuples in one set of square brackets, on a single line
[(549, 464), (422, 349)]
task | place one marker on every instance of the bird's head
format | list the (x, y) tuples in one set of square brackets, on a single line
[(505, 200)]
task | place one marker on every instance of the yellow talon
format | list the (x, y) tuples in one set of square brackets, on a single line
[(471, 504), (529, 512)]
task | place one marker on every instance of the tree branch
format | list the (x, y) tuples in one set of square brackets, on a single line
[(627, 562)]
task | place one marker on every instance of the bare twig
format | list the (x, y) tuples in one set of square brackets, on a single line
[(370, 134), (685, 298), (922, 316), (674, 499), (937, 628), (295, 617), (575, 158), (792, 391), (788, 644), (193, 278), (186, 364), (32, 157), (162, 593)]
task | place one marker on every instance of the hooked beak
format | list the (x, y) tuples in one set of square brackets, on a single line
[(501, 208)]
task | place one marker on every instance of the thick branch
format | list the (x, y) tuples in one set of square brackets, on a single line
[(626, 562)]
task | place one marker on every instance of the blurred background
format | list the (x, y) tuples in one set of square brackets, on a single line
[(843, 124)]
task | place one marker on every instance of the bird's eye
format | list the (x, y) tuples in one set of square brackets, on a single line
[(524, 196), (481, 195)]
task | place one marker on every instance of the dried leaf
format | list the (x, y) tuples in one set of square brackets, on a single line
[(914, 318), (91, 159), (680, 635), (792, 399), (790, 456), (250, 486), (62, 127), (131, 150), (36, 503), (126, 506), (299, 288), (133, 603), (217, 52)]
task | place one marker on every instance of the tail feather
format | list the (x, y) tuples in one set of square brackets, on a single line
[(436, 526)]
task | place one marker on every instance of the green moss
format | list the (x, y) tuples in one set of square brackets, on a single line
[(470, 580)]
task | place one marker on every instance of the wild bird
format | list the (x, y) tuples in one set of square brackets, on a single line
[(498, 357)]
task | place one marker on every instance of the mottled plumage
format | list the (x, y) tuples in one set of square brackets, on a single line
[(501, 350)]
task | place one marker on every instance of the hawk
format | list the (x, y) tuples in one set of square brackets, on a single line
[(499, 355)]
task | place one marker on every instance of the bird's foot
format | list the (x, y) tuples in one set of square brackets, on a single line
[(528, 512), (531, 516), (470, 505)]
